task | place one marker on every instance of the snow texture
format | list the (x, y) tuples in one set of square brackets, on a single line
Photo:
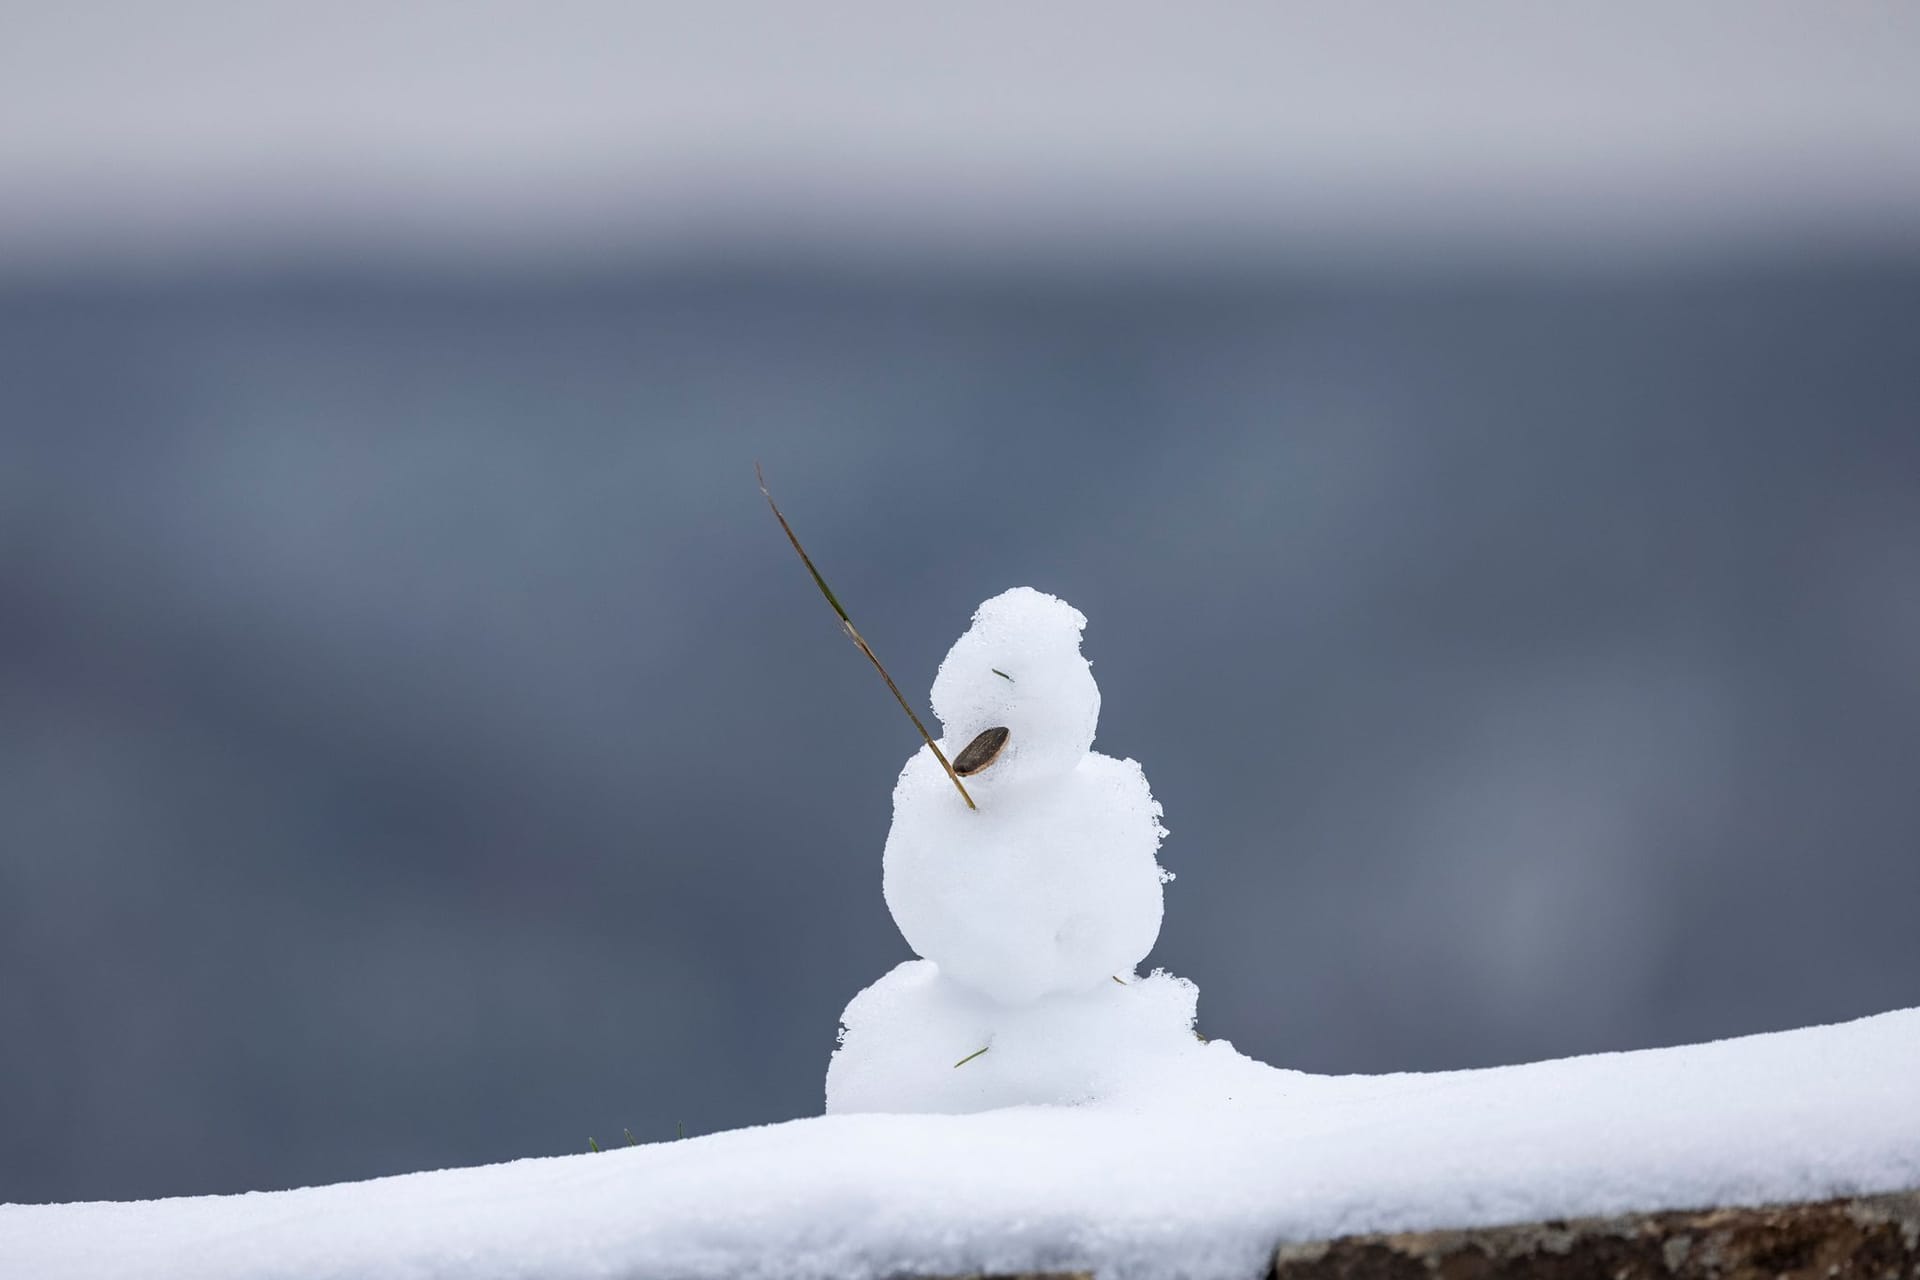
[(1191, 1168), (1052, 885), (912, 1042)]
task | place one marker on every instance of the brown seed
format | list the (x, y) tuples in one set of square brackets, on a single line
[(981, 752)]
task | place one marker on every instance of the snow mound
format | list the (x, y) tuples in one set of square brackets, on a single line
[(914, 1041), (1196, 1169)]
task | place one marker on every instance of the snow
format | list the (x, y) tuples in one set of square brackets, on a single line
[(913, 1041), (1051, 885), (1193, 1171), (1019, 665)]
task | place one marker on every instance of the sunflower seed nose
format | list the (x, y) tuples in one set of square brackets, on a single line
[(981, 752)]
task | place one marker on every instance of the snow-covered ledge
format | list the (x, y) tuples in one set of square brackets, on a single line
[(1203, 1177)]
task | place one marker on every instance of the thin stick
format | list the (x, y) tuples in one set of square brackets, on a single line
[(970, 1057), (853, 634)]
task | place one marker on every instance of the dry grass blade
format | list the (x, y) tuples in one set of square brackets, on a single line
[(853, 634)]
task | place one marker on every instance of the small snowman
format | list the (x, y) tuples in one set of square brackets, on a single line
[(1051, 885), (1031, 909)]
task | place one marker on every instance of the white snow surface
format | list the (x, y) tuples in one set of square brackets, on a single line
[(1051, 884), (1192, 1170), (915, 1041)]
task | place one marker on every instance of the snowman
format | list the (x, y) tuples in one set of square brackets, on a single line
[(1030, 910)]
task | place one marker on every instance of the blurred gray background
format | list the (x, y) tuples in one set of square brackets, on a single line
[(1484, 441)]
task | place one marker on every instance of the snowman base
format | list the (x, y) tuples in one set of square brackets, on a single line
[(911, 1043)]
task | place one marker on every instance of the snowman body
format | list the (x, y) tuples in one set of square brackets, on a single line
[(1053, 889)]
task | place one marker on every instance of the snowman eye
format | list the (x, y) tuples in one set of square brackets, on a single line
[(981, 752)]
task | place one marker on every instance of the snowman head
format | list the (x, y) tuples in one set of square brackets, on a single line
[(1016, 700)]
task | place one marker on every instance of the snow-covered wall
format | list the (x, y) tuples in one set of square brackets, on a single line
[(1200, 1175)]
